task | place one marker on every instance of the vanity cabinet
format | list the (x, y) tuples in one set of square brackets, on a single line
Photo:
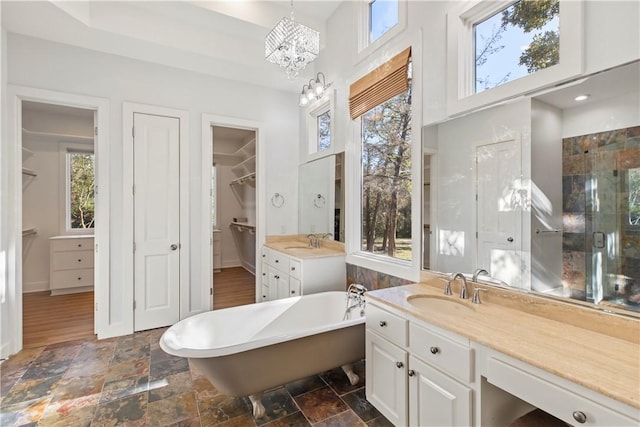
[(415, 375), (288, 276), (71, 264)]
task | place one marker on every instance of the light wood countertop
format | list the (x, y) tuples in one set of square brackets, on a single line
[(298, 246), (606, 362)]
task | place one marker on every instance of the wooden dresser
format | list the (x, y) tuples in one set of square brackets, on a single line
[(71, 264)]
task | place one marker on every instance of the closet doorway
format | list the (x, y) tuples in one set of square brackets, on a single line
[(233, 215), (58, 222)]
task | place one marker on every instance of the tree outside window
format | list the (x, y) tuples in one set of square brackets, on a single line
[(386, 173), (81, 182), (519, 40)]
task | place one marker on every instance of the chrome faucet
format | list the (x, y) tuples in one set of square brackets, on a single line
[(313, 240), (355, 298), (478, 272), (463, 286)]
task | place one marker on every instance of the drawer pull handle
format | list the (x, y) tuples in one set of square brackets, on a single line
[(79, 278), (79, 260), (293, 292), (293, 269), (399, 364), (79, 245), (580, 417), (434, 350), (383, 323), (277, 277), (277, 261), (411, 372)]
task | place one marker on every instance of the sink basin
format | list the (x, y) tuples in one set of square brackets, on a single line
[(440, 303)]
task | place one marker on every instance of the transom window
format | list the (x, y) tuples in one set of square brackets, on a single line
[(383, 15), (516, 41)]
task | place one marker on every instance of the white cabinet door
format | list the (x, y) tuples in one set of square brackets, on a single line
[(156, 150), (436, 399), (386, 385)]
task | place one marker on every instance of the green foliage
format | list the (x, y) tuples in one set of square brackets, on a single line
[(634, 196), (82, 195), (532, 15), (542, 52)]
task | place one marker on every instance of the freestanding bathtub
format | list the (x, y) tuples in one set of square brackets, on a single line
[(248, 349)]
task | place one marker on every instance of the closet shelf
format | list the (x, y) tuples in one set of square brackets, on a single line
[(58, 136), (29, 232), (246, 179), (30, 172), (241, 226), (245, 167)]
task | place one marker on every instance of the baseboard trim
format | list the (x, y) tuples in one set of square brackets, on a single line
[(35, 287)]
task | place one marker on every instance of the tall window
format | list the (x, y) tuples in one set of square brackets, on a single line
[(324, 130), (516, 41), (382, 100), (386, 178), (80, 182)]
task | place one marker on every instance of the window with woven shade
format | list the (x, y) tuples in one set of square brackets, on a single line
[(381, 101)]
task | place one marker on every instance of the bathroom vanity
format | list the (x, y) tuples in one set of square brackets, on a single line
[(71, 264), (436, 360), (290, 267)]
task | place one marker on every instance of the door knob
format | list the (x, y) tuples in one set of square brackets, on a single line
[(510, 239), (173, 247)]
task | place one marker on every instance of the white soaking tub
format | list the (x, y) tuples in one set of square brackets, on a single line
[(248, 349)]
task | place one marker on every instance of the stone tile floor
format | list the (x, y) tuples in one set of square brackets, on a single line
[(130, 381)]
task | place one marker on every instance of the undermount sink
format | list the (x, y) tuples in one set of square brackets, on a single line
[(440, 303)]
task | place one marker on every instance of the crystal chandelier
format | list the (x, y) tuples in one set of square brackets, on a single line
[(292, 45)]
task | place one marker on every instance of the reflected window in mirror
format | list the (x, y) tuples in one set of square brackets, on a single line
[(319, 125)]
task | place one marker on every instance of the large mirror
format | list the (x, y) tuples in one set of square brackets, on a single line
[(543, 192), (321, 197)]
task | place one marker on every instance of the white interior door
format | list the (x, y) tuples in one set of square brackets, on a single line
[(156, 221), (500, 197)]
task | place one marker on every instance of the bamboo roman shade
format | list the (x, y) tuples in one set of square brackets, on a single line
[(380, 85)]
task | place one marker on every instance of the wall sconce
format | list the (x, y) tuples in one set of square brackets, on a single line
[(313, 90)]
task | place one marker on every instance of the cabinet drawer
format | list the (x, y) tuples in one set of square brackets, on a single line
[(279, 261), (387, 324), (295, 268), (441, 352), (552, 398), (71, 278), (72, 260), (78, 244)]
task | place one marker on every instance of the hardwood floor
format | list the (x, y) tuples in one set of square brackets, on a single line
[(54, 319), (233, 286)]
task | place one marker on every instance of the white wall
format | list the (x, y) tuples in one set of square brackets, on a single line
[(5, 297), (42, 64), (610, 114), (546, 196), (42, 201)]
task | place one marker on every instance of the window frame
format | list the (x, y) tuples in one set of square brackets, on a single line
[(409, 270), (461, 96), (315, 109), (65, 150), (365, 46)]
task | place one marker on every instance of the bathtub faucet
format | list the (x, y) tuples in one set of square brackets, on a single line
[(355, 298)]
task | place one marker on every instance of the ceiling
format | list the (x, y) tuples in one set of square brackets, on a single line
[(224, 38)]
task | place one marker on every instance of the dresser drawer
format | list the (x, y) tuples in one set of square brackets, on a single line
[(71, 278), (387, 324), (552, 398), (71, 260), (72, 244), (439, 351), (295, 268)]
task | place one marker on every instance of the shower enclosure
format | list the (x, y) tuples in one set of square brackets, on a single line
[(601, 217)]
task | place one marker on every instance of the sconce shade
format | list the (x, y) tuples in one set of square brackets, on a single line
[(292, 46)]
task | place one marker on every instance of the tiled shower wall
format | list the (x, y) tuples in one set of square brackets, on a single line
[(372, 279), (596, 198)]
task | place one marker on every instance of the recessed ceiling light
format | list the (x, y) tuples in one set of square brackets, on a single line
[(581, 97)]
